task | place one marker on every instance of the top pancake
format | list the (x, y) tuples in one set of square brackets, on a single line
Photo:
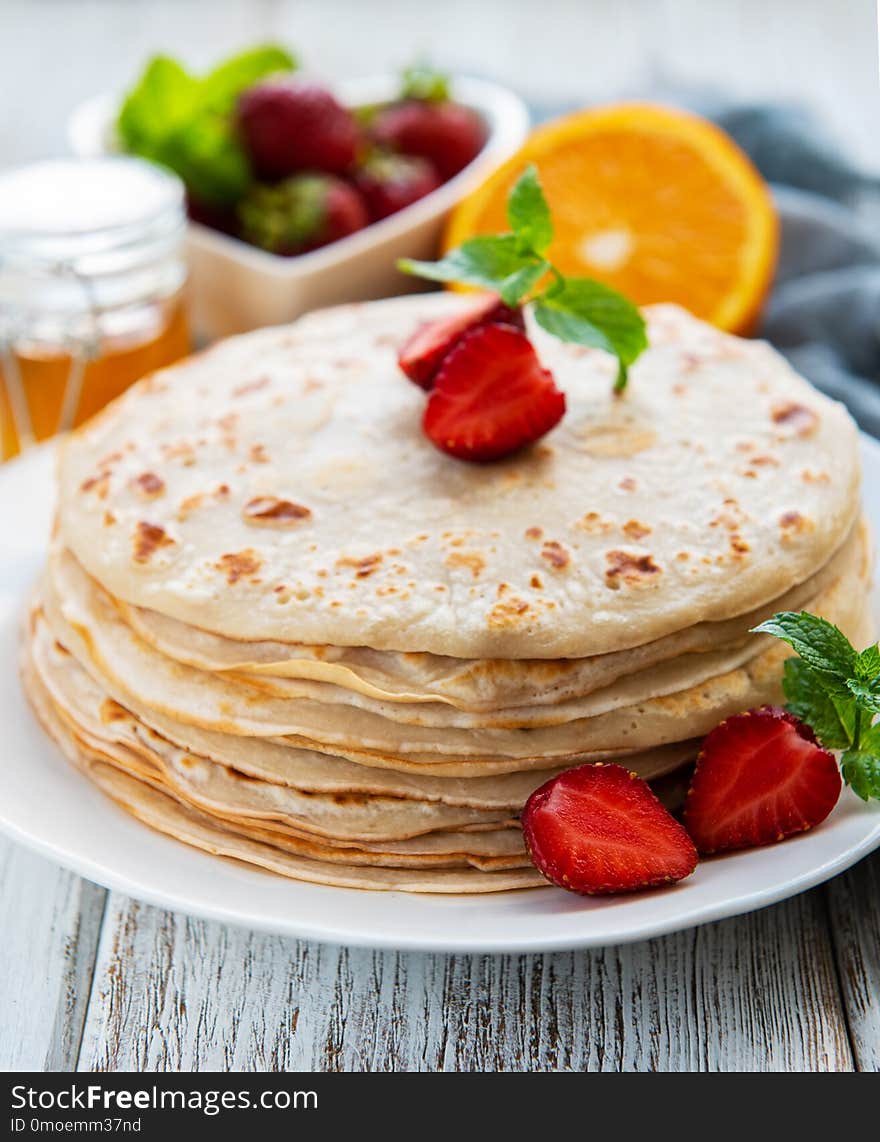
[(279, 487)]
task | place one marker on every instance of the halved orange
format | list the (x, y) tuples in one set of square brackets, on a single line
[(656, 202)]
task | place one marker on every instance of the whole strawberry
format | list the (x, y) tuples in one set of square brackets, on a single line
[(447, 134), (390, 182), (289, 125), (301, 213)]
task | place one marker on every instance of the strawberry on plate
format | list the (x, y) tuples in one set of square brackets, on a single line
[(424, 351), (491, 396), (301, 213), (760, 777), (448, 134), (289, 125), (390, 182), (599, 829)]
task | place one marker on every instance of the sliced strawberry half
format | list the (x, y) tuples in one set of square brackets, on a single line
[(491, 396), (423, 353), (760, 777), (599, 829)]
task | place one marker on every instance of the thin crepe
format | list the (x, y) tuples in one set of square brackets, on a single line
[(278, 487)]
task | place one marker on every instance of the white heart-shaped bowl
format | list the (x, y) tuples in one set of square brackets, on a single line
[(235, 287)]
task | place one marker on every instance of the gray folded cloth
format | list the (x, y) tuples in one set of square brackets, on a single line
[(824, 311)]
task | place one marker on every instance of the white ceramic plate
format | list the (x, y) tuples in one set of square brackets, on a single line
[(47, 805)]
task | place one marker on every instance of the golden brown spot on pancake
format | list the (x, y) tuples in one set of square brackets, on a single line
[(556, 554), (683, 556), (690, 361), (634, 530), (149, 485), (363, 567), (189, 505), (147, 539), (731, 516), (182, 451), (594, 524), (792, 524), (470, 560), (258, 454), (62, 649), (812, 476), (629, 568), (109, 519), (628, 484), (250, 387), (510, 613), (235, 565), (801, 420), (110, 460), (738, 545), (534, 533), (112, 711), (536, 582), (100, 485), (228, 422), (269, 511)]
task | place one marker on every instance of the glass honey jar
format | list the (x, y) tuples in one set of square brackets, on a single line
[(92, 280)]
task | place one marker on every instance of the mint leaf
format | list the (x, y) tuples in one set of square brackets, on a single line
[(832, 719), (861, 766), (220, 89), (210, 161), (817, 641), (529, 214), (186, 124), (493, 262), (589, 313), (514, 288), (164, 98), (868, 663), (867, 694)]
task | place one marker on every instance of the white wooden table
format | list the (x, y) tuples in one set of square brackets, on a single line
[(92, 979)]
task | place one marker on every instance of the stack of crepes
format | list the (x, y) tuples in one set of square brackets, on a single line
[(279, 625)]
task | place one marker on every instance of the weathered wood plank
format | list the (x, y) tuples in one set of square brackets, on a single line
[(854, 909), (50, 920), (755, 993)]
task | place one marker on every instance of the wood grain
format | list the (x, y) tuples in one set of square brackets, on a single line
[(854, 913), (756, 993), (49, 920)]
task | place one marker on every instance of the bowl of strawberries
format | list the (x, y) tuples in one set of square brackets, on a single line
[(302, 195)]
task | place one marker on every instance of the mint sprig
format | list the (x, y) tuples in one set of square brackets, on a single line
[(835, 689), (515, 264), (186, 122)]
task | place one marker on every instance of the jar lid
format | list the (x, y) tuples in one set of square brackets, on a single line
[(74, 198), (87, 234)]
